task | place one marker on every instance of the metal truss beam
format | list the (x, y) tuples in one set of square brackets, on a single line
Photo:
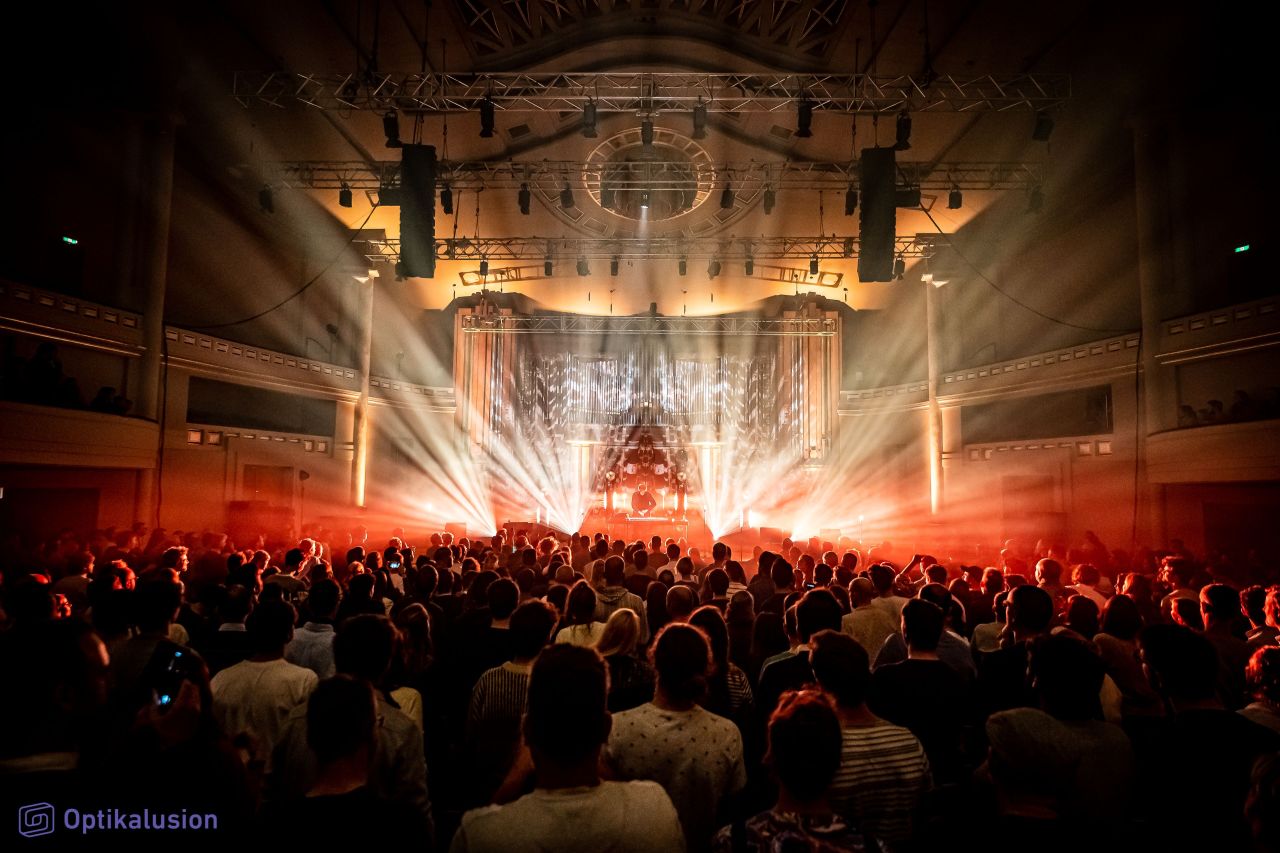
[(654, 248), (577, 324), (652, 93), (358, 175)]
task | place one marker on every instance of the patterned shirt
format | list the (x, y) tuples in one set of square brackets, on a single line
[(695, 755), (773, 831)]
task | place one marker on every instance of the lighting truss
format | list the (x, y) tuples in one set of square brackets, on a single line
[(653, 248), (578, 324), (650, 93), (356, 174)]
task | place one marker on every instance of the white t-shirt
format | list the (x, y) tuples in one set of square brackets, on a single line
[(620, 817), (695, 755), (892, 605), (581, 635), (256, 696)]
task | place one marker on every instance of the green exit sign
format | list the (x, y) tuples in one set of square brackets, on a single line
[(1243, 248)]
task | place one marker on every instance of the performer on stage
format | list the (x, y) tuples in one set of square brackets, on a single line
[(642, 503)]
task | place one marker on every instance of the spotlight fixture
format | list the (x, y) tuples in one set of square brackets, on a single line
[(813, 265), (589, 120), (770, 197), (606, 196), (850, 201), (265, 201), (750, 266), (713, 268), (583, 269), (644, 199), (1044, 127), (391, 129), (700, 120), (484, 267), (726, 197), (1036, 200), (446, 200), (486, 117), (955, 199), (344, 196), (524, 197), (646, 133), (566, 197), (903, 142), (804, 119), (613, 265), (684, 266), (899, 267), (547, 268)]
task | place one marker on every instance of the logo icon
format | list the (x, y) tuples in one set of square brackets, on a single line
[(36, 820)]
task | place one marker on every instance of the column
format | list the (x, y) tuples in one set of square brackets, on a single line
[(933, 336), (1157, 279), (360, 429), (157, 188), (147, 266)]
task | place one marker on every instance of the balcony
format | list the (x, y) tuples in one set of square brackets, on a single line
[(44, 435), (1220, 453)]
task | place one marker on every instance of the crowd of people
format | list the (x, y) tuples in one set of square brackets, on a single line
[(40, 379), (579, 693)]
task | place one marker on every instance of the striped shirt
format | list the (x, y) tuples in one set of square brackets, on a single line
[(883, 773), (497, 701), (740, 698)]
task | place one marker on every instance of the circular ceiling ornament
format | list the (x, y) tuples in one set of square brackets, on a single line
[(663, 185)]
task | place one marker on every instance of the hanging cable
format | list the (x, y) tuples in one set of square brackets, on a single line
[(354, 233), (1013, 298), (1139, 416)]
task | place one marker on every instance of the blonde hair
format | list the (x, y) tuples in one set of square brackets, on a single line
[(621, 633)]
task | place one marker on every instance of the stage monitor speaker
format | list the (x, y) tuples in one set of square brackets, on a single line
[(418, 211), (878, 216)]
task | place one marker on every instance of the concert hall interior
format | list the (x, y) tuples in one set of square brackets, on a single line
[(429, 307), (1064, 323)]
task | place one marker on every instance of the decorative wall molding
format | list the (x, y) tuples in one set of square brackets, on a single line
[(1082, 446), (202, 435), (1096, 361), (401, 394), (69, 319), (219, 358), (909, 396), (1223, 331)]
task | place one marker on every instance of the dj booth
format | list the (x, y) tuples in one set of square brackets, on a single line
[(631, 528), (617, 525)]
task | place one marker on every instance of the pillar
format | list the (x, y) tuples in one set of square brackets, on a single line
[(157, 188), (360, 427), (933, 337)]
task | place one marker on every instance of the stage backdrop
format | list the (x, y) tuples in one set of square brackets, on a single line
[(563, 397)]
